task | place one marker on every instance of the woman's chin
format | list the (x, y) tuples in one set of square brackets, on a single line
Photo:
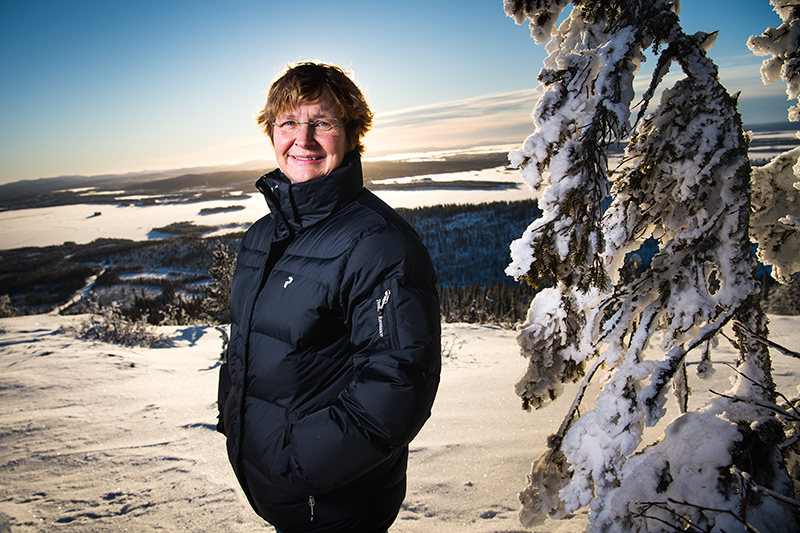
[(299, 173)]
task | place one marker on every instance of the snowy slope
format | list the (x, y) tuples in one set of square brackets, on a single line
[(101, 438)]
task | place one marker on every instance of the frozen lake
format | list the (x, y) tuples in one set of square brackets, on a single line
[(80, 223)]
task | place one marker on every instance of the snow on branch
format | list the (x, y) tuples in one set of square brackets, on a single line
[(686, 184), (776, 187), (775, 199), (588, 89), (550, 338), (543, 15), (783, 45)]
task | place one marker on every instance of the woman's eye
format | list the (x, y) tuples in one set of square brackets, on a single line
[(323, 124), (288, 124)]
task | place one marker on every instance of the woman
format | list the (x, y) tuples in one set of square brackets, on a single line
[(334, 357)]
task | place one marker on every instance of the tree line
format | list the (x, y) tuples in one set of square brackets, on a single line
[(469, 246)]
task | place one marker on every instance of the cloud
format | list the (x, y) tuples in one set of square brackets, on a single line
[(505, 117), (498, 118), (488, 119), (243, 149)]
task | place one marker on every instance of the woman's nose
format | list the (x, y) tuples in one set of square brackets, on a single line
[(305, 135)]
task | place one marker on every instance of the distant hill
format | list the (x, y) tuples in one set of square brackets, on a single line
[(197, 185), (206, 183)]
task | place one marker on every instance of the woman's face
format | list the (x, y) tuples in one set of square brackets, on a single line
[(308, 153)]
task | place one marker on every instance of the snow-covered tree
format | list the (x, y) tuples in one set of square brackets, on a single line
[(218, 293), (783, 45), (776, 205), (6, 309), (684, 181)]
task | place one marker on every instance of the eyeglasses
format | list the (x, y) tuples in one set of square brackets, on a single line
[(291, 127)]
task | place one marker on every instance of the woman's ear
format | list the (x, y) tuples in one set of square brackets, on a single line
[(352, 144)]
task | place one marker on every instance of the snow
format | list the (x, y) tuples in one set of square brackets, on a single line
[(79, 224), (103, 438), (47, 226), (499, 175), (97, 437), (775, 208)]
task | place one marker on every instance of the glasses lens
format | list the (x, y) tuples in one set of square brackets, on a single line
[(322, 126), (291, 127), (287, 126)]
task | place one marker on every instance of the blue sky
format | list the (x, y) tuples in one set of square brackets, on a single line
[(102, 86)]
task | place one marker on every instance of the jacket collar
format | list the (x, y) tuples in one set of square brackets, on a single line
[(298, 206)]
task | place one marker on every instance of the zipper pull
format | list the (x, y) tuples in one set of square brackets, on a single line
[(311, 503), (380, 304)]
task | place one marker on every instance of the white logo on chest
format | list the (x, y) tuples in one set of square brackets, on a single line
[(287, 282)]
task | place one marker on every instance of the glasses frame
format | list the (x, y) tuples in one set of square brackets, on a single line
[(281, 127)]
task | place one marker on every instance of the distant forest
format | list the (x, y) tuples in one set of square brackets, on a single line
[(167, 279), (469, 246), (469, 243)]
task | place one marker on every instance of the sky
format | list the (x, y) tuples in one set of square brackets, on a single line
[(103, 87)]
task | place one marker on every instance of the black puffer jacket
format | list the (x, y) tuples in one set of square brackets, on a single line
[(334, 357)]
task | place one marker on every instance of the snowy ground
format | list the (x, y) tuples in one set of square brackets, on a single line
[(96, 437)]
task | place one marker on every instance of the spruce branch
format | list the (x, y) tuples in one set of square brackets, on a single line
[(750, 483), (772, 406), (686, 523), (764, 340)]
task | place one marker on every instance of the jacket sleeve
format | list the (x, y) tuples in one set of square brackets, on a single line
[(392, 311), (222, 393)]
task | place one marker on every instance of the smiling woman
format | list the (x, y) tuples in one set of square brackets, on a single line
[(334, 357)]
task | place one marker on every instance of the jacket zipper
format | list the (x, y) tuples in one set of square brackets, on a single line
[(381, 304), (311, 503)]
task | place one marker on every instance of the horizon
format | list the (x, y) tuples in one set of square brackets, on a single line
[(414, 154), (185, 94), (404, 155)]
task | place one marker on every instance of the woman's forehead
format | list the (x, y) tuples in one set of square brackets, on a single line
[(324, 104)]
